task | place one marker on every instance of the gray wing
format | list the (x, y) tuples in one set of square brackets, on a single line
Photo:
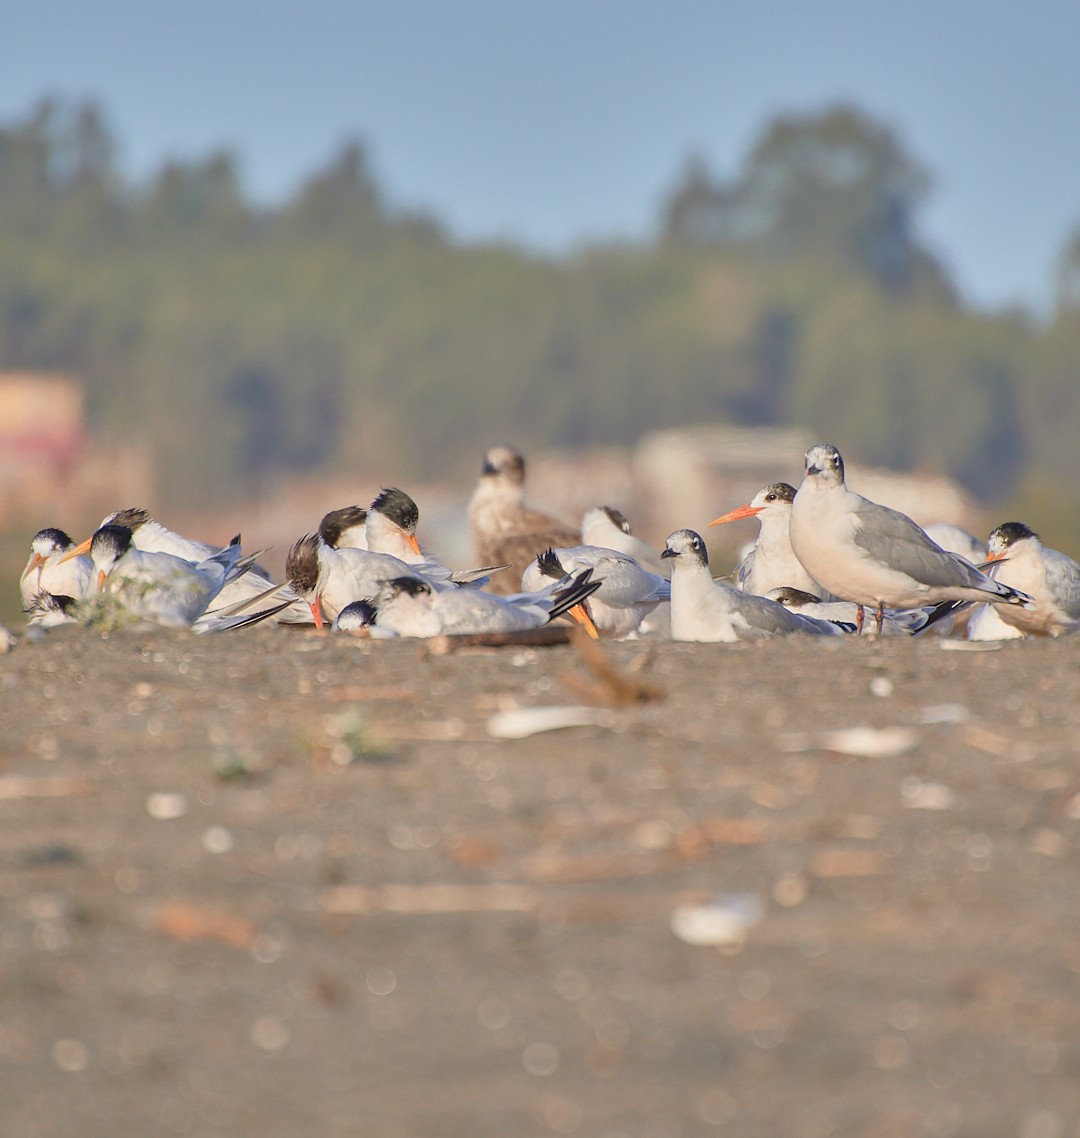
[(1063, 580), (770, 618), (742, 571), (895, 540)]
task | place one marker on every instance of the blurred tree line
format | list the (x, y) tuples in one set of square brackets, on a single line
[(334, 332)]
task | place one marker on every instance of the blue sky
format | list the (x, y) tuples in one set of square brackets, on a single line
[(554, 122)]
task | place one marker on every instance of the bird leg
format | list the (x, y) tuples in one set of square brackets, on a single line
[(879, 617), (860, 618)]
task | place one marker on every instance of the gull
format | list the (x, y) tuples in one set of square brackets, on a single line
[(50, 569), (1020, 560), (411, 607), (706, 610), (608, 528), (627, 593), (160, 586), (771, 562), (504, 530), (873, 555)]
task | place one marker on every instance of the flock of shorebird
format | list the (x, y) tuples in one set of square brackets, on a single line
[(827, 562)]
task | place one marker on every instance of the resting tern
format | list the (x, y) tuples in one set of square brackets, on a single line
[(50, 569), (411, 607), (150, 536), (898, 622), (48, 610), (608, 528), (160, 586), (771, 563), (1020, 560), (706, 610), (391, 525), (627, 593), (503, 528), (868, 553), (345, 528), (391, 528), (329, 579)]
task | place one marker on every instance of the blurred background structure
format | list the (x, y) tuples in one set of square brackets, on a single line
[(568, 232)]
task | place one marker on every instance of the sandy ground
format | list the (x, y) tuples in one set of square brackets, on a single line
[(280, 885)]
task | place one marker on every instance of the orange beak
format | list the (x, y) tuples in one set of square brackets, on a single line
[(316, 611), (35, 561), (581, 614), (414, 545), (995, 556), (746, 511), (101, 581), (82, 547)]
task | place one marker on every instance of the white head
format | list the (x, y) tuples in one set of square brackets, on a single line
[(687, 547), (823, 462)]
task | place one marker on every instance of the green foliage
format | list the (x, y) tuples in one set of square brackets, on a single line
[(334, 332)]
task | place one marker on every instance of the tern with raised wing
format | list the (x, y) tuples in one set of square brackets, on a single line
[(873, 555)]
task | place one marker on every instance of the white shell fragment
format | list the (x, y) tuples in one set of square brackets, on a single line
[(919, 795), (723, 921), (520, 722), (165, 807), (864, 742)]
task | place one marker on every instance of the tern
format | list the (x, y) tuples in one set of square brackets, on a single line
[(411, 607), (873, 555), (898, 622), (391, 525), (706, 610), (1020, 560), (345, 528), (503, 528), (160, 586), (391, 528), (329, 579), (55, 567), (627, 593), (771, 563), (608, 528), (150, 536), (48, 610)]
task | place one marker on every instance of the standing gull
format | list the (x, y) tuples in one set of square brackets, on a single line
[(868, 553)]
